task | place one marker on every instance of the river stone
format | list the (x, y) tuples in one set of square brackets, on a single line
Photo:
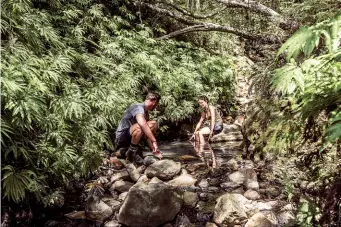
[(190, 199), (122, 186), (258, 220), (231, 136), (243, 175), (182, 221), (148, 160), (250, 194), (286, 218), (143, 178), (232, 164), (122, 196), (184, 180), (230, 210), (210, 224), (230, 185), (113, 203), (112, 223), (120, 175), (155, 180), (76, 215), (150, 204), (164, 169), (133, 172), (251, 184), (97, 210), (204, 183)]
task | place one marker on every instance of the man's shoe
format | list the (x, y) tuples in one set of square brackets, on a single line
[(138, 160), (130, 155)]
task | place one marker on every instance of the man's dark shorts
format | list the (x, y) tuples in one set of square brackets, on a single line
[(123, 140)]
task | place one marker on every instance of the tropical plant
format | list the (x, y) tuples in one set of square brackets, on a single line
[(69, 69)]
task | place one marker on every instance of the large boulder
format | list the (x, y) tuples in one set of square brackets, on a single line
[(97, 210), (164, 169), (230, 210), (150, 204), (229, 133)]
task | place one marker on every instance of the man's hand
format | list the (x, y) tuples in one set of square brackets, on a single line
[(155, 146)]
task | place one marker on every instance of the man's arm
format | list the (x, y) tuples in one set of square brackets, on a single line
[(141, 120)]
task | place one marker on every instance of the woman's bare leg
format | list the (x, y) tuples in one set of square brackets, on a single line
[(202, 132)]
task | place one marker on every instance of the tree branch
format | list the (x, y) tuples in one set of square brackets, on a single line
[(211, 27), (195, 16)]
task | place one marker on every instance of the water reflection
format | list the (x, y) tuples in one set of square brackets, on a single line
[(214, 154)]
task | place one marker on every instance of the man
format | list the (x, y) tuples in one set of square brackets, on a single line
[(134, 125)]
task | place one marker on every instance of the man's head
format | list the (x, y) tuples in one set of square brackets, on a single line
[(152, 100)]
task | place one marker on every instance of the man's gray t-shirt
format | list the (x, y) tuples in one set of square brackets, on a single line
[(129, 117)]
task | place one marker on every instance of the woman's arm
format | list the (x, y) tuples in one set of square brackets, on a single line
[(212, 111), (202, 118)]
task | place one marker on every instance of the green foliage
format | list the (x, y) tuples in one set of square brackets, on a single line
[(308, 213), (314, 85), (69, 69)]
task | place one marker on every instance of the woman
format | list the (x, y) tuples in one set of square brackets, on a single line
[(213, 124)]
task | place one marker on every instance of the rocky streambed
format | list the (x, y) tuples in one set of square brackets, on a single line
[(214, 188)]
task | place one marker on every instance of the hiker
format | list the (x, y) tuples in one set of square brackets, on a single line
[(134, 125), (213, 122)]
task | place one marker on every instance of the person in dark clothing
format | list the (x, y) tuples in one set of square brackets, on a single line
[(134, 125)]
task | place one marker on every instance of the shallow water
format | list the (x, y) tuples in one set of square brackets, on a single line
[(186, 152)]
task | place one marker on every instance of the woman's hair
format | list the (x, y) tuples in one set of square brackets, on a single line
[(203, 97)]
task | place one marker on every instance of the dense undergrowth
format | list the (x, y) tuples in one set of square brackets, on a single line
[(69, 69), (299, 117)]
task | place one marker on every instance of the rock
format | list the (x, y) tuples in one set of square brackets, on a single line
[(167, 225), (150, 204), (239, 190), (102, 180), (121, 186), (113, 203), (164, 169), (213, 189), (271, 216), (229, 210), (229, 185), (122, 196), (272, 192), (133, 172), (76, 215), (184, 180), (182, 221), (204, 196), (229, 133), (258, 220), (286, 219), (190, 199), (195, 166), (143, 178), (232, 164), (112, 223), (243, 175), (97, 210), (250, 194), (251, 184), (214, 181), (121, 175), (203, 183), (210, 224), (148, 160), (155, 180)]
